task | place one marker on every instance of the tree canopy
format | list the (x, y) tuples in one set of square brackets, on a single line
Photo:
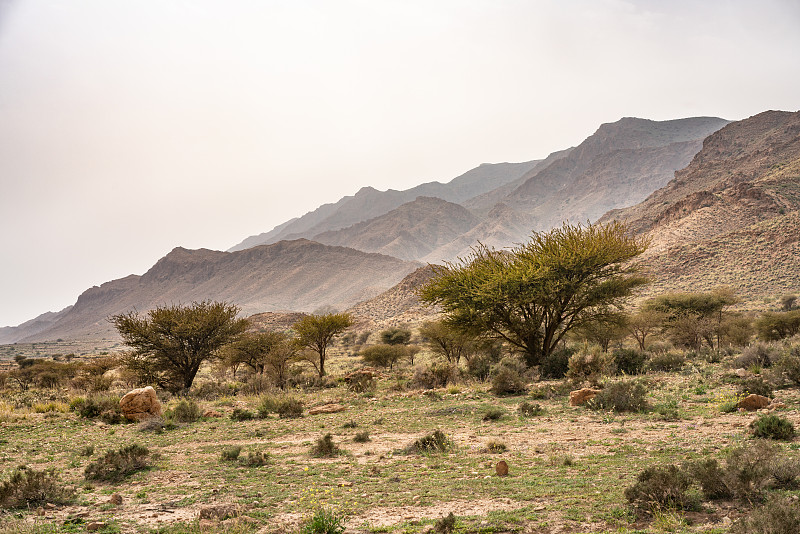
[(532, 295), (316, 332), (171, 342)]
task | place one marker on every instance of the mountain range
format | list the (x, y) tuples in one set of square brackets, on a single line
[(719, 202)]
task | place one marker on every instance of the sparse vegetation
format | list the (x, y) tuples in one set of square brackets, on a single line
[(27, 487), (325, 447), (115, 465), (773, 427)]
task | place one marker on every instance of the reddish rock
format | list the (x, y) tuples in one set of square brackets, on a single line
[(211, 413), (94, 526), (501, 468), (140, 404), (327, 408), (753, 402), (116, 499), (580, 396)]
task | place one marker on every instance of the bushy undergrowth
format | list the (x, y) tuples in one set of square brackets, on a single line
[(754, 385), (590, 366), (436, 375), (324, 447), (758, 354), (285, 406), (361, 437), (437, 441), (530, 409), (242, 414), (772, 426), (493, 414), (27, 487), (778, 516), (556, 364), (509, 376), (324, 521), (666, 361), (113, 466), (662, 487), (186, 411), (621, 396), (104, 407), (629, 361)]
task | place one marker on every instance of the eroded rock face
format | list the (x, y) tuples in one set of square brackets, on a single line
[(753, 402), (580, 396), (140, 404)]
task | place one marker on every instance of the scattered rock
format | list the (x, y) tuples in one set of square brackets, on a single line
[(327, 408), (501, 468), (580, 396), (94, 526), (741, 373), (753, 402), (116, 499), (140, 404), (776, 405), (219, 512), (211, 413)]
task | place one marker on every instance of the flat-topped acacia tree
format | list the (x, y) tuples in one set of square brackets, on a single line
[(532, 295), (170, 343), (316, 332)]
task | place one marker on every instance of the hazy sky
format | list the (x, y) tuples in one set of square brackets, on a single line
[(130, 127)]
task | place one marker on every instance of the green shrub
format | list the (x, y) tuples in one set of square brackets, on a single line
[(479, 366), (666, 361), (255, 459), (508, 376), (530, 409), (773, 426), (94, 406), (711, 478), (788, 366), (445, 525), (785, 471), (778, 516), (186, 411), (325, 447), (436, 375), (434, 442), (231, 454), (668, 410), (756, 385), (662, 487), (758, 354), (621, 396), (26, 488), (116, 465), (493, 414), (242, 414), (496, 447), (285, 406), (361, 437), (629, 361), (556, 364), (324, 521)]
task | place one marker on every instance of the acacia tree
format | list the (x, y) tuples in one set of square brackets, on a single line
[(451, 343), (531, 296), (316, 332), (263, 352), (171, 342)]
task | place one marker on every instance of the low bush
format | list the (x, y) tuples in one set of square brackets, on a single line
[(668, 410), (772, 426), (434, 442), (621, 396), (479, 366), (629, 361), (756, 385), (105, 407), (666, 361), (590, 367), (530, 409), (556, 364), (496, 447), (324, 521), (748, 469), (242, 414), (436, 375), (787, 368), (285, 406), (255, 459), (445, 525), (27, 488), (493, 414), (113, 466), (662, 487), (231, 454), (758, 354), (325, 447), (361, 437), (509, 376), (186, 411), (778, 516)]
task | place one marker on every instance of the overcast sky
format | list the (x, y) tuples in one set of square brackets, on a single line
[(128, 128)]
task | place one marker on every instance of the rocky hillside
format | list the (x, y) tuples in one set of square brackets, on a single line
[(291, 275), (731, 216)]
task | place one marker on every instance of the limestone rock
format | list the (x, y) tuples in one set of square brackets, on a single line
[(140, 404), (753, 402), (580, 396), (501, 468), (741, 373), (327, 408)]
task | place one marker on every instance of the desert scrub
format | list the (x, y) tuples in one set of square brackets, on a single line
[(242, 414), (113, 466), (666, 361), (621, 396), (186, 411), (530, 409), (445, 525), (629, 361), (778, 516), (325, 447), (255, 459), (105, 407), (495, 446), (509, 376), (758, 354), (493, 414), (286, 407), (728, 402), (754, 385), (324, 521), (27, 487), (361, 437), (231, 454), (437, 441), (772, 426), (662, 487), (589, 367)]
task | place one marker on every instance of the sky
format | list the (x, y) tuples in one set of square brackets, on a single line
[(130, 128)]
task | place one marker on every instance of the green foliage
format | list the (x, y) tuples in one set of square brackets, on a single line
[(325, 447), (396, 336), (754, 385), (231, 454), (496, 447), (773, 326), (316, 332), (186, 411), (788, 366), (662, 487), (26, 488), (509, 377), (171, 342), (116, 465), (530, 409), (494, 414), (621, 396), (324, 521), (692, 318), (449, 342), (629, 361), (778, 516), (104, 407), (255, 459), (267, 354), (645, 323), (531, 296), (286, 407), (383, 355), (242, 414), (361, 437), (445, 525), (556, 364), (773, 426), (666, 361), (434, 442), (605, 329)]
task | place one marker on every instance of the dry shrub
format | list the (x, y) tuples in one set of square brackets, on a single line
[(105, 407), (629, 361), (621, 396), (434, 442), (116, 465), (662, 487), (590, 367), (496, 447), (27, 487), (778, 516), (758, 354), (231, 454), (666, 361), (361, 437), (509, 376), (186, 411), (436, 375), (755, 384), (325, 447), (530, 409), (285, 406)]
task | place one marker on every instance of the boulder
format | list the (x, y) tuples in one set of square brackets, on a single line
[(140, 404), (580, 396), (501, 468), (327, 408), (753, 402)]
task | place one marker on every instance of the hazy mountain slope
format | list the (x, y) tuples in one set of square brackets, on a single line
[(12, 334), (408, 232), (290, 275), (369, 203), (732, 217)]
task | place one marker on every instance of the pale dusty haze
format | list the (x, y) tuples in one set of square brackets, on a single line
[(130, 128)]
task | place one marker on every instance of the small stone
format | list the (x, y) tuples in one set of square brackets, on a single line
[(580, 396), (116, 499), (753, 402), (95, 526), (501, 468), (741, 372)]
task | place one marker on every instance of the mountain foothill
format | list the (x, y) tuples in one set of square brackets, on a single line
[(718, 200)]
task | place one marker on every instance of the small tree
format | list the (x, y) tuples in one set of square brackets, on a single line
[(316, 332), (772, 326), (643, 324), (396, 336), (383, 355), (171, 342), (604, 330), (268, 353), (446, 341)]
